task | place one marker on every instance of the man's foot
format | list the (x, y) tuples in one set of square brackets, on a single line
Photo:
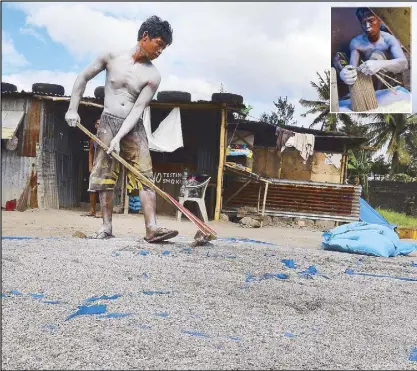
[(101, 234), (160, 234), (98, 214), (90, 213)]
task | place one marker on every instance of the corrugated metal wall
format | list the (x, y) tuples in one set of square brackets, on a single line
[(15, 171), (292, 198)]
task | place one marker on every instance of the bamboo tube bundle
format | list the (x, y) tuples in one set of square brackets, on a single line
[(362, 94)]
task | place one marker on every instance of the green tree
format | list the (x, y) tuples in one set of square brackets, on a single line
[(283, 116), (321, 108), (359, 167), (380, 167), (399, 133)]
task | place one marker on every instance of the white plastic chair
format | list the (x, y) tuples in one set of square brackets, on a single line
[(199, 200)]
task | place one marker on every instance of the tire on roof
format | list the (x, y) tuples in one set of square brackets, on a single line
[(174, 97), (8, 88), (44, 88), (227, 98), (99, 92)]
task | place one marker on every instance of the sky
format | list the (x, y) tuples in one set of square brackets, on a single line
[(258, 50)]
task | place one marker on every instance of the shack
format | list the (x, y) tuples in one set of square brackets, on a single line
[(283, 184)]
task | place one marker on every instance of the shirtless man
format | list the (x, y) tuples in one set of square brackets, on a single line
[(369, 46), (131, 82)]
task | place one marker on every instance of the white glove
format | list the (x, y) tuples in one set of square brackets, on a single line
[(348, 75)]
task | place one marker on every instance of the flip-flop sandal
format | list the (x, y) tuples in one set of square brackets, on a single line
[(88, 214), (161, 234), (103, 235)]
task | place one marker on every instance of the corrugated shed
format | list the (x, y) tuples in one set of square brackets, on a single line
[(298, 199), (15, 171)]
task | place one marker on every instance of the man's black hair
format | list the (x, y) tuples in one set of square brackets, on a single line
[(360, 13), (156, 27)]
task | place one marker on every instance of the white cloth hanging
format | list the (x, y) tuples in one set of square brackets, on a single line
[(168, 136), (303, 143)]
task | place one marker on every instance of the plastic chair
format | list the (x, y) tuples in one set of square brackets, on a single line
[(199, 200)]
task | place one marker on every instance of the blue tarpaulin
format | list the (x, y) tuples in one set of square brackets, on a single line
[(369, 215)]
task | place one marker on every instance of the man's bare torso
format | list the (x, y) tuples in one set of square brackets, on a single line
[(366, 48), (124, 82)]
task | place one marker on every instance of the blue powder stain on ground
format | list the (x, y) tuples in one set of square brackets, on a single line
[(146, 275), (116, 253), (89, 310), (3, 295), (166, 252), (50, 327), (103, 297), (187, 250), (233, 239), (115, 315), (310, 272), (52, 302), (143, 252), (234, 338), (156, 292), (162, 314), (413, 355), (251, 277), (289, 263), (289, 335), (145, 326), (37, 296), (15, 292), (413, 264), (195, 333), (351, 272)]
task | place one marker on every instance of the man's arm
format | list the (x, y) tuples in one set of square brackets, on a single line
[(397, 64), (132, 118), (349, 74), (98, 65)]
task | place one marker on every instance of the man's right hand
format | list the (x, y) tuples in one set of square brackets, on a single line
[(348, 74), (72, 118)]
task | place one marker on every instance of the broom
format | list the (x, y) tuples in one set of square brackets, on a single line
[(22, 203), (204, 234)]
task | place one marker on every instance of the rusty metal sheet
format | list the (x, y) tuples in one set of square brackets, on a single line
[(32, 129), (299, 199)]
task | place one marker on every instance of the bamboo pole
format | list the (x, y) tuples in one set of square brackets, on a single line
[(204, 228), (264, 203), (222, 153)]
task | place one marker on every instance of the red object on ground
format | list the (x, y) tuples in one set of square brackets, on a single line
[(11, 205)]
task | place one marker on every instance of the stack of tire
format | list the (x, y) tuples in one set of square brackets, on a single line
[(48, 89), (134, 204), (8, 88)]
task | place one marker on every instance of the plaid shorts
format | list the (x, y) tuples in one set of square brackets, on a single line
[(133, 148)]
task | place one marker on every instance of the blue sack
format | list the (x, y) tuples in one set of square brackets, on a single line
[(366, 239)]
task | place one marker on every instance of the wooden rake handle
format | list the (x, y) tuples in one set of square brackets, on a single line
[(204, 228)]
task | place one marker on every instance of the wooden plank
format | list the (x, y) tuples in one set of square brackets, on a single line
[(31, 129), (222, 157)]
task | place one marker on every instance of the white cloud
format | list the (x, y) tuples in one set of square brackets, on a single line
[(24, 80), (12, 60), (32, 32), (261, 51)]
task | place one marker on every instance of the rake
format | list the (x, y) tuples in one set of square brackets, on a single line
[(205, 233)]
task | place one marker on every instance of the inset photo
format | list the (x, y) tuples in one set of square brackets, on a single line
[(371, 60)]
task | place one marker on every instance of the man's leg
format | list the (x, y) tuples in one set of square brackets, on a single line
[(93, 200), (148, 201), (106, 203)]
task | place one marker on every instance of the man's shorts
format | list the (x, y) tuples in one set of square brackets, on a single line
[(133, 148)]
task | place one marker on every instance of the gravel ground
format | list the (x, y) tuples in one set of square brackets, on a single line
[(213, 307)]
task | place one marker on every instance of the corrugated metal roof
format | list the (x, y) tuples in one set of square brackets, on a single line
[(10, 121)]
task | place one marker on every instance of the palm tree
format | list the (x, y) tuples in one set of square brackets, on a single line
[(360, 166), (398, 132), (321, 108)]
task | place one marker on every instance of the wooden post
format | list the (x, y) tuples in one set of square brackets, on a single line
[(263, 205), (334, 94), (259, 196), (222, 152), (126, 207)]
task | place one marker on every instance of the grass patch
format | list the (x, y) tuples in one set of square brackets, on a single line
[(401, 220)]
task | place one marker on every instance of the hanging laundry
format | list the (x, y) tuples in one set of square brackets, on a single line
[(303, 143), (282, 136), (168, 136)]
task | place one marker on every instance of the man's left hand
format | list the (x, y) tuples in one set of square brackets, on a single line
[(114, 146), (370, 67)]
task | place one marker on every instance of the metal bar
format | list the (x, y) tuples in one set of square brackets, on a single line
[(205, 229), (222, 156), (237, 192)]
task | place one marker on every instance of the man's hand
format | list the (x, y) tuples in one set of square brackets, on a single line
[(114, 146), (72, 118), (349, 75), (370, 67)]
